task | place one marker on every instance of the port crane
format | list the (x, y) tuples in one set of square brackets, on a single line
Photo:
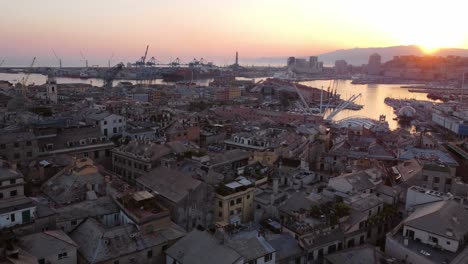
[(111, 74), (84, 58), (1, 62), (142, 62), (151, 62), (58, 59), (175, 63), (25, 79)]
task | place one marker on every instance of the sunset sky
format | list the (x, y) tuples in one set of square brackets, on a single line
[(215, 29)]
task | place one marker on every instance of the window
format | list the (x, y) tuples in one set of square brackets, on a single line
[(433, 239), (28, 143), (16, 155), (149, 254), (448, 181), (105, 122), (41, 261), (12, 217), (114, 130), (248, 196), (232, 212), (2, 146), (436, 179), (29, 154), (1, 195), (268, 257), (116, 262), (220, 214), (12, 181), (231, 202), (220, 204), (13, 193), (96, 154), (425, 178), (120, 120), (62, 255), (16, 144), (239, 200), (73, 222), (448, 242), (252, 262)]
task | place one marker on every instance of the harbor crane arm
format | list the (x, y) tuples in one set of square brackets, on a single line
[(146, 54), (58, 59), (26, 77)]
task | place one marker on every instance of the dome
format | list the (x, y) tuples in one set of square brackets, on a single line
[(406, 111)]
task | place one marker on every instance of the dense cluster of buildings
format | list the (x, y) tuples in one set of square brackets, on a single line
[(227, 173), (299, 65)]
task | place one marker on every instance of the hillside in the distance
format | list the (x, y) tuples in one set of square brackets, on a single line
[(359, 56)]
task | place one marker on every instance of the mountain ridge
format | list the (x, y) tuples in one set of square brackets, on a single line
[(359, 56)]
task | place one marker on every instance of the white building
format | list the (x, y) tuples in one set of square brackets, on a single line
[(110, 124), (15, 208), (433, 233), (418, 196)]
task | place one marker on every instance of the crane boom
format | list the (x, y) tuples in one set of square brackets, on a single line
[(58, 59), (26, 77), (146, 54), (1, 62)]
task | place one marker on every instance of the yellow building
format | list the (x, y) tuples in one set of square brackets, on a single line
[(234, 202)]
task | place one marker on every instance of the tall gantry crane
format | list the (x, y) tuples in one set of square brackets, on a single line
[(142, 61), (1, 62)]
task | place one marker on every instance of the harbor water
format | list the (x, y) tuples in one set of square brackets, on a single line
[(372, 98)]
